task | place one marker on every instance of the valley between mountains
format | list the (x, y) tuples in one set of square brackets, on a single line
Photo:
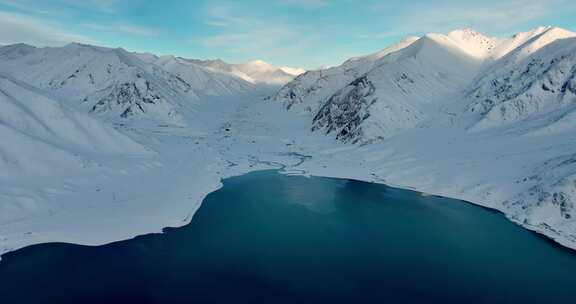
[(100, 144)]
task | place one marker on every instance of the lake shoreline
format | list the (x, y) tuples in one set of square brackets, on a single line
[(288, 170)]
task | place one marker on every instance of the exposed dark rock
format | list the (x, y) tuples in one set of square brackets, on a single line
[(345, 111)]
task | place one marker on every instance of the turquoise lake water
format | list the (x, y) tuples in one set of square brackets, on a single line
[(270, 238)]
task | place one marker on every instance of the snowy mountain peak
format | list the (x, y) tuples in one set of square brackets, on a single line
[(15, 51), (206, 79), (558, 31), (467, 34), (375, 56), (535, 31), (466, 31), (258, 62), (258, 71), (407, 40), (293, 71), (521, 45), (80, 46), (256, 66), (544, 34), (473, 42), (18, 46), (434, 46)]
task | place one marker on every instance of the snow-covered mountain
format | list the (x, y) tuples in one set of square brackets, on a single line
[(256, 71), (110, 82), (205, 80), (121, 85), (398, 93)]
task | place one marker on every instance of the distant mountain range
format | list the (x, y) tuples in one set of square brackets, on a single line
[(116, 83)]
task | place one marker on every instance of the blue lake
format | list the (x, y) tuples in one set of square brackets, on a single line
[(270, 238)]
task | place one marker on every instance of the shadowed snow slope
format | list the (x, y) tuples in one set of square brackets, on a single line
[(40, 135)]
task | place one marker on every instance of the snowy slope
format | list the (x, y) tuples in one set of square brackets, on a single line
[(474, 43), (41, 136)]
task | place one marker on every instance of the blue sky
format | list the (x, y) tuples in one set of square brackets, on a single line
[(300, 33)]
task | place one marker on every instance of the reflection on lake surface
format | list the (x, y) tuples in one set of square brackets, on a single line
[(269, 238)]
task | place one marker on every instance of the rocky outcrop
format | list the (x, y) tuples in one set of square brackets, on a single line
[(345, 111)]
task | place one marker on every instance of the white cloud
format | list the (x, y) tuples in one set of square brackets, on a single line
[(16, 28), (123, 28)]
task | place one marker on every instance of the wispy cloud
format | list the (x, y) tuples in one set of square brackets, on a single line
[(256, 41), (105, 6), (244, 35), (16, 28), (223, 16), (124, 28)]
